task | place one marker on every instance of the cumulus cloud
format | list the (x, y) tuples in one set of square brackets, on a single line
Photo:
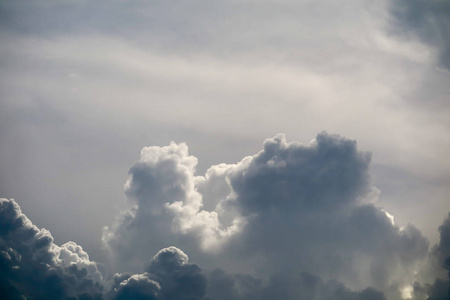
[(293, 222), (138, 287), (290, 207), (167, 208), (33, 267), (169, 276), (307, 209), (178, 278), (429, 20)]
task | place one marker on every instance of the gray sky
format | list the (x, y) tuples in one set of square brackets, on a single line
[(84, 86)]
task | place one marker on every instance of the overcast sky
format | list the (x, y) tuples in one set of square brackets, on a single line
[(290, 149)]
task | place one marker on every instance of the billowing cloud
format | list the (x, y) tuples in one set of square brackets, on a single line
[(169, 276), (33, 267), (178, 278), (290, 207), (136, 287), (429, 20), (291, 222), (309, 208), (162, 186)]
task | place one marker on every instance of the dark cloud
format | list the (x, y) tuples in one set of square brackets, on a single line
[(291, 222), (290, 177), (290, 207), (440, 290), (303, 286), (169, 277), (442, 250), (429, 20), (178, 279), (308, 208), (33, 267), (138, 287)]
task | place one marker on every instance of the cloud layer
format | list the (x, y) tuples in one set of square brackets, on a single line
[(208, 75), (291, 222)]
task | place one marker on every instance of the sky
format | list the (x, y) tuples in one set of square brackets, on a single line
[(212, 150)]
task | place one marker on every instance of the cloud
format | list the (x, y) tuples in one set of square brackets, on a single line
[(303, 286), (137, 287), (310, 208), (162, 186), (428, 20), (290, 207), (442, 250), (293, 222), (178, 278), (440, 290), (33, 267), (210, 62), (169, 276), (436, 273)]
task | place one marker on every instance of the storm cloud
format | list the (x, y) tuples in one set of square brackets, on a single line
[(290, 207), (170, 277), (87, 84), (310, 208), (440, 290), (33, 267), (294, 221)]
